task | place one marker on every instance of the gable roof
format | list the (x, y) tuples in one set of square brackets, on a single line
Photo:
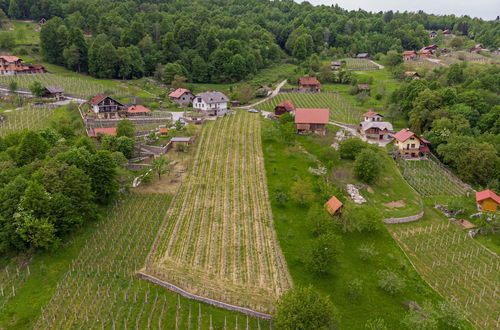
[(54, 89), (9, 58), (178, 92), (403, 135), (333, 205), (99, 98), (371, 114), (485, 194), (309, 81), (288, 105), (361, 55), (213, 97), (382, 125), (409, 52), (411, 73), (137, 109), (312, 116)]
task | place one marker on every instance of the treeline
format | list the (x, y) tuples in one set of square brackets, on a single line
[(222, 41), (457, 109)]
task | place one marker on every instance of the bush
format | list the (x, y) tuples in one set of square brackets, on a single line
[(302, 192), (390, 282), (323, 253), (367, 251), (376, 324), (368, 166), (281, 197), (361, 219), (350, 148), (354, 288)]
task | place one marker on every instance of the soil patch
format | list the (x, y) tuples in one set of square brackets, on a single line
[(396, 204)]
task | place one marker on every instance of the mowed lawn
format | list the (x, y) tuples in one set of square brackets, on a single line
[(340, 109), (219, 241)]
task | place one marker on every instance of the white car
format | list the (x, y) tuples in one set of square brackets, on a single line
[(253, 111)]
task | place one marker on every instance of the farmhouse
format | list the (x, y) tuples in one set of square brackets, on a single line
[(309, 84), (446, 33), (487, 200), (410, 55), (426, 53), (104, 107), (311, 120), (181, 96), (412, 74), (137, 110), (372, 116), (376, 130), (211, 103), (363, 56), (54, 92), (477, 48), (13, 65), (285, 106), (432, 34), (409, 145), (334, 206)]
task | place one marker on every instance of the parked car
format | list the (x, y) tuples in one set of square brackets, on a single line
[(253, 111)]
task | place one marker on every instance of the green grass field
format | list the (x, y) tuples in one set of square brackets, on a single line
[(24, 32), (357, 64), (286, 164), (340, 109)]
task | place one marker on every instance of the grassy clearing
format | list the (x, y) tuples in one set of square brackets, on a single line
[(455, 265), (24, 32), (220, 242), (420, 65), (286, 164), (340, 109), (429, 178), (359, 64)]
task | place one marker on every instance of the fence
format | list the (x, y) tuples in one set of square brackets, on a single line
[(404, 219)]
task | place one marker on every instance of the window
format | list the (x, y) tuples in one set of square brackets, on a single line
[(413, 145)]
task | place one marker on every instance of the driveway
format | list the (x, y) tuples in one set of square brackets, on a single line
[(270, 96), (353, 129)]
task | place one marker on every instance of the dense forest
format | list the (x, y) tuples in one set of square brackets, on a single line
[(221, 40)]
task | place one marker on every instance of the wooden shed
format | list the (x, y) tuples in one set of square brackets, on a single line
[(487, 200), (334, 206)]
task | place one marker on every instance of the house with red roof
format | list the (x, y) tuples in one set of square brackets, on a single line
[(311, 120), (334, 206), (13, 66), (283, 107), (309, 84), (104, 107), (409, 144), (410, 55), (487, 200), (181, 96), (372, 116), (413, 74), (137, 110)]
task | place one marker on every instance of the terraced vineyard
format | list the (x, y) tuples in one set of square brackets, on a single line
[(85, 88), (24, 119), (340, 109), (456, 266), (100, 289), (220, 242), (429, 178)]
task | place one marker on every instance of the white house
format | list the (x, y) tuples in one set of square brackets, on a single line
[(212, 103)]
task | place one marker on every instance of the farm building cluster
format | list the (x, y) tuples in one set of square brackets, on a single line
[(13, 65)]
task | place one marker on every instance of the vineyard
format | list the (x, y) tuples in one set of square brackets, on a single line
[(420, 64), (456, 266), (429, 178), (220, 242), (28, 118), (356, 64), (11, 278), (100, 289), (340, 109), (75, 86)]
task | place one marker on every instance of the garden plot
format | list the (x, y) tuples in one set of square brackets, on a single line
[(100, 289), (28, 118), (340, 109), (456, 266), (429, 178), (85, 88), (219, 240), (360, 64)]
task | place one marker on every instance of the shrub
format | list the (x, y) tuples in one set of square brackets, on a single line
[(354, 288), (367, 251), (323, 253), (390, 282), (281, 197), (376, 324), (302, 192), (368, 166), (351, 147)]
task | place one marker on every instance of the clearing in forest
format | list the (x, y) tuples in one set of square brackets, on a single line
[(218, 240), (340, 109), (455, 265)]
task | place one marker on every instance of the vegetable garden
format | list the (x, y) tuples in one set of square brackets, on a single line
[(456, 266), (429, 178), (28, 118), (340, 109), (220, 242), (100, 289)]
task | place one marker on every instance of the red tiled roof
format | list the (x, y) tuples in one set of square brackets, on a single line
[(403, 135), (371, 114), (409, 52), (424, 148), (309, 81), (288, 105), (8, 58), (411, 73), (137, 109), (333, 205), (97, 99), (312, 116), (104, 130), (485, 194), (178, 92)]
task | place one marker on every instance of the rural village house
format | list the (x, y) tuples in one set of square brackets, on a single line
[(334, 206), (211, 103), (309, 84), (372, 127), (410, 55), (487, 200), (311, 120), (13, 65), (409, 145), (447, 33), (137, 110), (432, 34), (54, 92), (365, 56), (477, 48), (181, 96), (285, 106), (104, 107), (412, 74)]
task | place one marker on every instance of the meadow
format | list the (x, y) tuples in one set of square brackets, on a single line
[(359, 64), (340, 109), (454, 264), (220, 241)]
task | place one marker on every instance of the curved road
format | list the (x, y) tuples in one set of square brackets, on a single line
[(270, 96)]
